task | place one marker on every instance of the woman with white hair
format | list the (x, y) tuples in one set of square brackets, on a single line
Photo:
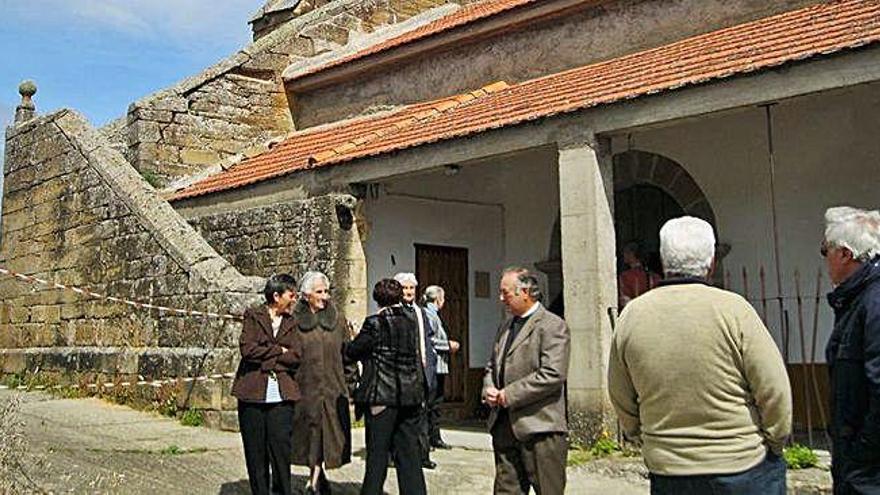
[(321, 422), (852, 254)]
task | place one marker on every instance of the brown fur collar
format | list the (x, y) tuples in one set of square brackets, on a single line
[(307, 321)]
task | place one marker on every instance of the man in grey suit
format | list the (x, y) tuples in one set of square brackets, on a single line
[(525, 387)]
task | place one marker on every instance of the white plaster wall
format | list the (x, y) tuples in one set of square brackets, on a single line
[(512, 224), (827, 154)]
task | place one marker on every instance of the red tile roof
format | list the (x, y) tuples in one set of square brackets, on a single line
[(769, 42), (465, 15)]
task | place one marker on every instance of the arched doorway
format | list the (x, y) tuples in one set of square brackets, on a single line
[(639, 212), (649, 189)]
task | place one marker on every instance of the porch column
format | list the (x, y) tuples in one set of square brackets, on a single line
[(586, 190)]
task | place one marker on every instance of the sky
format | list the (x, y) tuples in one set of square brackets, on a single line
[(97, 56)]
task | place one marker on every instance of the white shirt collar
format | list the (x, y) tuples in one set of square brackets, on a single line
[(531, 310)]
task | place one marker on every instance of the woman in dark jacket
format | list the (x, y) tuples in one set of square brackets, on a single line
[(265, 386), (391, 392), (321, 422)]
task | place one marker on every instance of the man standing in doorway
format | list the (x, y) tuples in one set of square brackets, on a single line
[(695, 376), (852, 254), (426, 352), (525, 387)]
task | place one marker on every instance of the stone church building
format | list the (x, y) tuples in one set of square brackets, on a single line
[(451, 139)]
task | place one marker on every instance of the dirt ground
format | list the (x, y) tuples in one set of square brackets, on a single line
[(91, 446)]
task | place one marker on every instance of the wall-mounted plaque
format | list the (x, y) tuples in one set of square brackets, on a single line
[(482, 288)]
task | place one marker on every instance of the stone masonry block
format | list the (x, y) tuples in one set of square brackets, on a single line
[(229, 420), (191, 156), (46, 314), (201, 395), (12, 361), (212, 419)]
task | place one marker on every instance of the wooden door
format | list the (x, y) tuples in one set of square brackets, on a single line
[(448, 268)]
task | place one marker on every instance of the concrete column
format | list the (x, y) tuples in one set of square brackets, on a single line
[(586, 189)]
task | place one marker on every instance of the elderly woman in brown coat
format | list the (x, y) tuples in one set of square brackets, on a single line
[(265, 386), (321, 422)]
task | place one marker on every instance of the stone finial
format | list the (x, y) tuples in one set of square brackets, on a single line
[(26, 110)]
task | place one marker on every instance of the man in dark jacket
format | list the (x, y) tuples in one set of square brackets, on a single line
[(852, 253), (426, 352)]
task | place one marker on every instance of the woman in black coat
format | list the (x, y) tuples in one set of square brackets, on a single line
[(391, 392)]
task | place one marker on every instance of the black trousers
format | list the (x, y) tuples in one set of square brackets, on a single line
[(395, 429), (434, 401), (266, 431), (852, 476)]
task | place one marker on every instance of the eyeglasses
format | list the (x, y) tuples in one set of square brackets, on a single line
[(825, 247)]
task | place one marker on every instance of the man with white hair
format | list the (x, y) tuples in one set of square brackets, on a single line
[(851, 249), (426, 352), (696, 378)]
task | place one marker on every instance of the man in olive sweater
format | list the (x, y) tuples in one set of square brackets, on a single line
[(696, 377)]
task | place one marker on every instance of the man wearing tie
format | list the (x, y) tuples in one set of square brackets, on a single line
[(525, 387)]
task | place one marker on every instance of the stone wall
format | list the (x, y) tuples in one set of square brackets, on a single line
[(597, 33), (295, 237), (240, 103), (76, 213)]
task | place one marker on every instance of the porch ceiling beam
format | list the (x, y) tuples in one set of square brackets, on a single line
[(491, 144)]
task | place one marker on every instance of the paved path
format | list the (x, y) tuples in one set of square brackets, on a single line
[(91, 446)]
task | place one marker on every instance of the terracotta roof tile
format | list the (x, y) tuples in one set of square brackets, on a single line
[(797, 35), (465, 15)]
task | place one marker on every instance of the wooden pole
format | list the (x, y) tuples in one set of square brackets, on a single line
[(813, 377), (808, 414), (763, 279)]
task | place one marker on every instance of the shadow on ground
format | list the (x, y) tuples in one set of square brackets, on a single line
[(241, 487)]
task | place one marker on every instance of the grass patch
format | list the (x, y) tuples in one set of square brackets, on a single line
[(358, 424), (604, 446), (800, 457), (172, 450), (153, 179), (579, 457), (192, 417)]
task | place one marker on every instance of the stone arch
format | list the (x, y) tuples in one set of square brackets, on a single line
[(634, 167)]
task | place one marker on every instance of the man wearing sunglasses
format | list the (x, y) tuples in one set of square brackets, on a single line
[(852, 254)]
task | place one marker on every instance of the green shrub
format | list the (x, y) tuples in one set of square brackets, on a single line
[(192, 417), (800, 457), (604, 446), (164, 401), (13, 380)]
